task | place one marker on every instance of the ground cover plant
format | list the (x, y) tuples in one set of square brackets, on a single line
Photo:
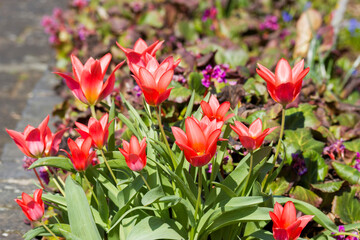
[(181, 124)]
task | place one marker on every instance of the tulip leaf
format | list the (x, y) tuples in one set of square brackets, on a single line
[(151, 228), (103, 206), (262, 234), (350, 213), (152, 195), (305, 195), (309, 209), (300, 140), (328, 187), (58, 229), (81, 220), (111, 137), (58, 162), (347, 173), (129, 124), (134, 114), (54, 198)]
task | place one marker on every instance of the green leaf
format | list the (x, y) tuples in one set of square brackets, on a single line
[(81, 221), (346, 172), (309, 209), (279, 187), (353, 145), (58, 162), (57, 229), (151, 228), (305, 195), (262, 234), (187, 30), (152, 195), (328, 187), (347, 206), (227, 190), (129, 124), (55, 198), (180, 93), (316, 166), (103, 206), (301, 117), (111, 137), (300, 140), (195, 83)]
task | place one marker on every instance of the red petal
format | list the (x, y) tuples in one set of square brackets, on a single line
[(265, 74), (134, 145), (152, 49), (124, 153), (207, 109), (240, 129), (164, 81), (285, 93), (212, 141), (275, 219), (255, 128), (77, 67), (283, 73), (152, 65), (200, 161), (56, 140), (280, 234), (108, 86), (297, 69), (288, 215), (294, 230), (125, 50), (135, 163), (214, 103), (140, 46), (222, 110), (188, 151), (97, 134), (248, 142), (151, 96), (278, 209), (91, 82), (179, 135), (305, 220), (163, 96), (35, 143), (19, 141), (104, 63), (74, 86), (146, 78), (195, 135)]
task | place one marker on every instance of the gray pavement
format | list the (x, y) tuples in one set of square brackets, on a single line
[(26, 97)]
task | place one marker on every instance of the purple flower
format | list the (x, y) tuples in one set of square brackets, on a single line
[(298, 164), (284, 33), (336, 147), (210, 168), (287, 17), (344, 237), (27, 161), (357, 162), (353, 25), (218, 73), (44, 175), (137, 90), (209, 13), (270, 23)]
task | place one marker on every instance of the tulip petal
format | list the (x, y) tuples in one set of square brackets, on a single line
[(255, 128), (200, 161), (164, 81), (135, 163), (278, 209), (77, 67), (74, 86), (152, 65), (96, 132), (222, 110), (91, 82), (104, 63), (265, 74), (125, 50), (206, 109), (146, 78), (297, 69), (288, 215), (56, 140), (153, 48), (188, 151), (275, 219), (285, 93), (228, 116), (240, 129), (126, 145), (179, 135), (124, 153), (294, 229), (195, 135), (163, 96), (214, 103), (305, 220), (35, 143), (151, 95), (280, 234), (140, 46), (212, 141), (108, 86), (134, 145), (19, 141), (248, 142), (283, 73)]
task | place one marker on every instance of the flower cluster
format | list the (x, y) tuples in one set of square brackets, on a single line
[(218, 73), (336, 148), (344, 237), (357, 162), (53, 24), (209, 13), (270, 23)]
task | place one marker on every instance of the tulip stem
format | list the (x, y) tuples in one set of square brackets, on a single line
[(108, 167), (158, 115), (90, 188), (277, 147), (146, 183), (48, 229), (56, 181), (345, 234), (249, 175), (198, 201), (92, 109), (38, 177)]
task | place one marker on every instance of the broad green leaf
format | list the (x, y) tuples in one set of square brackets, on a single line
[(309, 209), (195, 83), (151, 228), (152, 195), (347, 206), (81, 221), (279, 187), (316, 166), (129, 124), (179, 93), (346, 172), (57, 229), (58, 162), (300, 140), (227, 190), (103, 206), (54, 198), (328, 187), (301, 117), (353, 145), (305, 195)]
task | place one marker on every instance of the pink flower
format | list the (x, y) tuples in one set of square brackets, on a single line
[(134, 153)]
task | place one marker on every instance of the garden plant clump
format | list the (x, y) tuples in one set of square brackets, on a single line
[(180, 124)]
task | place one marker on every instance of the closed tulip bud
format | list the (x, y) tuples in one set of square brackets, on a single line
[(33, 207), (134, 153), (81, 153)]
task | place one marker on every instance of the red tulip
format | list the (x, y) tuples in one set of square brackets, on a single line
[(213, 110), (285, 85), (33, 208), (285, 224), (88, 85), (251, 138), (36, 142), (134, 153), (81, 154), (141, 48), (199, 141), (98, 130), (154, 78)]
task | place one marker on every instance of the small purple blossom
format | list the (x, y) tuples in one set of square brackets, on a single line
[(357, 162), (336, 147), (353, 25), (210, 168), (83, 32), (287, 17), (137, 90), (218, 73), (44, 175), (298, 164), (209, 13), (344, 237), (27, 161), (179, 79), (270, 23), (284, 33)]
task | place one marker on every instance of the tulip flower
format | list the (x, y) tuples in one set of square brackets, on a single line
[(33, 208), (88, 85), (285, 224), (98, 130), (285, 85), (213, 110), (154, 78), (199, 141), (141, 48), (36, 142), (251, 138), (81, 154), (134, 153)]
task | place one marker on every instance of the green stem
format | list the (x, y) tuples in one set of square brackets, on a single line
[(277, 148), (48, 229), (248, 177), (93, 113), (345, 234), (158, 115), (107, 165), (56, 181), (198, 201), (90, 188), (146, 183)]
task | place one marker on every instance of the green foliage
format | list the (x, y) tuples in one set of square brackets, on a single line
[(350, 213)]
